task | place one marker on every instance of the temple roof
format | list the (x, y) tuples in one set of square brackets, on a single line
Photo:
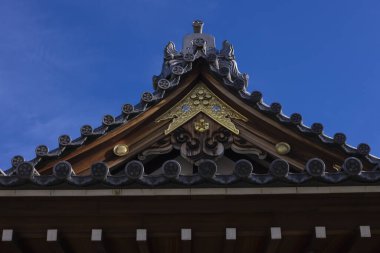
[(198, 51)]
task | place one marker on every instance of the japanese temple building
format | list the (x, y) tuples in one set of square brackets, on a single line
[(198, 165)]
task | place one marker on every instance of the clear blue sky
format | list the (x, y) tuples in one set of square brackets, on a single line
[(67, 63)]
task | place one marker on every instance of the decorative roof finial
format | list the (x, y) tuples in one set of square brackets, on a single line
[(198, 26)]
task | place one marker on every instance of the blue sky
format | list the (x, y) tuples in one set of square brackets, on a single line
[(67, 63)]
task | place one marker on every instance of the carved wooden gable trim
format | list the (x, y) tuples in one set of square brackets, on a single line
[(201, 100)]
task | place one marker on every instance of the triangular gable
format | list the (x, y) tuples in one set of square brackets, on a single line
[(197, 84)]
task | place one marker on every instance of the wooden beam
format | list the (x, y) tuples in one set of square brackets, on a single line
[(8, 237), (97, 240), (274, 240), (186, 240), (318, 240), (230, 241), (54, 243), (142, 242), (360, 240)]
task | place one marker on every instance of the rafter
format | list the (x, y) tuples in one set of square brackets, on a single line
[(274, 240), (97, 240), (10, 239), (230, 240), (55, 243), (142, 242), (361, 238), (186, 238), (318, 240)]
